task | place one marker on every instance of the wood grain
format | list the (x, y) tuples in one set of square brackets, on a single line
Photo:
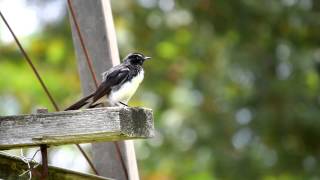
[(80, 126)]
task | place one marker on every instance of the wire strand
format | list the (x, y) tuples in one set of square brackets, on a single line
[(30, 62), (121, 159), (83, 46), (88, 160), (42, 83)]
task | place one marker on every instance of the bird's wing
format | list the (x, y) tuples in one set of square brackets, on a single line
[(112, 79)]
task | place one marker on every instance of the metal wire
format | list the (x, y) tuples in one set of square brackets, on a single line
[(30, 62), (83, 46), (42, 83), (87, 158), (89, 63), (121, 159)]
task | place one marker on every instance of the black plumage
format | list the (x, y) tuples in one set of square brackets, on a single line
[(128, 74)]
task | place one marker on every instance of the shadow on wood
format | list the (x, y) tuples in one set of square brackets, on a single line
[(80, 126)]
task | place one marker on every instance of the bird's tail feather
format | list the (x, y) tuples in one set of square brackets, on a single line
[(80, 103)]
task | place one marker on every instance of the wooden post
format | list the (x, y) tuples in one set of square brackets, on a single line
[(44, 159), (44, 152), (96, 25)]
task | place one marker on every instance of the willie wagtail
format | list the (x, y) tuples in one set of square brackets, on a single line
[(118, 83)]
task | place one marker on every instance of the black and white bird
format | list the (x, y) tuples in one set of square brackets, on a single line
[(118, 83)]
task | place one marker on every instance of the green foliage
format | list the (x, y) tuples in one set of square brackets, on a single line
[(53, 55), (233, 84)]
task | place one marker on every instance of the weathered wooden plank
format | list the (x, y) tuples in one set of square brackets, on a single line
[(80, 126), (11, 167), (96, 23)]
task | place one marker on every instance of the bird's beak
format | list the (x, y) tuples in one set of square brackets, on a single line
[(146, 58)]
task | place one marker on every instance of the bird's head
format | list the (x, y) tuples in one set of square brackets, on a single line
[(136, 58)]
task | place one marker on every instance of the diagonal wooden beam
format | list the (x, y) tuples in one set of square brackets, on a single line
[(11, 167)]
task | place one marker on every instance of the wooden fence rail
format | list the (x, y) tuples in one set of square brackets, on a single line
[(80, 126)]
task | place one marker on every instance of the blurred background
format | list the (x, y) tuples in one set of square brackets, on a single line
[(234, 85)]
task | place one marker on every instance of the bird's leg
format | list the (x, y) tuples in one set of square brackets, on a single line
[(123, 104), (95, 105)]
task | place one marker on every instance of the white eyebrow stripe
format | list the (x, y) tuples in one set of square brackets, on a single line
[(138, 54)]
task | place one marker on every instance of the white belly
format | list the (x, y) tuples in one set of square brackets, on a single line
[(127, 90)]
